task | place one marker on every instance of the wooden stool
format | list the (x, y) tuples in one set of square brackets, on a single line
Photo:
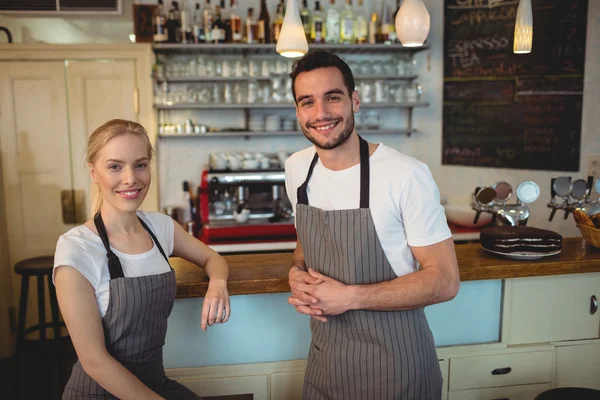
[(569, 393), (39, 267)]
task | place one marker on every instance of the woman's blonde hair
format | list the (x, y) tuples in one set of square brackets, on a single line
[(108, 131)]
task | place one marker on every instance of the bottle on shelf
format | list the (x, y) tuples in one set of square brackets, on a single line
[(264, 23), (348, 24), (332, 24), (277, 22), (387, 29), (395, 34), (251, 27), (159, 21), (362, 25), (218, 27), (207, 15), (373, 29), (317, 26), (236, 23), (305, 17), (226, 18), (198, 26), (174, 24), (186, 31)]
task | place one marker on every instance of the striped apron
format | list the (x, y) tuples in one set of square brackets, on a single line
[(361, 354), (135, 326)]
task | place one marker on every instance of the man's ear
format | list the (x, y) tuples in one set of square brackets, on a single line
[(355, 101)]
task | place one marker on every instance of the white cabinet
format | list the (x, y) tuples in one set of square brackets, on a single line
[(551, 309), (578, 365)]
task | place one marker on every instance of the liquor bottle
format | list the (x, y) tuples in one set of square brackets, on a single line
[(236, 23), (218, 27), (317, 30), (362, 25), (198, 27), (159, 21), (348, 22), (264, 23), (174, 24), (186, 31), (225, 17), (332, 24), (386, 29), (251, 28), (207, 14), (305, 17), (277, 23), (373, 29)]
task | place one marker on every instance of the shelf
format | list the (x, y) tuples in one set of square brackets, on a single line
[(266, 48), (274, 106), (283, 133), (216, 79), (263, 78)]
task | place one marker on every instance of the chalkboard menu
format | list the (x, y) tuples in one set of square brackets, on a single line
[(506, 110)]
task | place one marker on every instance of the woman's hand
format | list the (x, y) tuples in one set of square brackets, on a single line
[(216, 308)]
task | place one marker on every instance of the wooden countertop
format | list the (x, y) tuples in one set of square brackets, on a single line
[(268, 273)]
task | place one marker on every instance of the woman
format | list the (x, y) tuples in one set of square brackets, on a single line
[(114, 283)]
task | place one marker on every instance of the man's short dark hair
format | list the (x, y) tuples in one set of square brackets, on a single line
[(321, 59)]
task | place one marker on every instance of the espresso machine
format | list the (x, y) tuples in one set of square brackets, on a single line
[(494, 200), (575, 194), (246, 205)]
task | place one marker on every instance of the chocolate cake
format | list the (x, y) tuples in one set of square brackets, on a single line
[(510, 239)]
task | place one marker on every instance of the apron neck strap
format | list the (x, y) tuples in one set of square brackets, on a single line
[(302, 192), (114, 264), (364, 173)]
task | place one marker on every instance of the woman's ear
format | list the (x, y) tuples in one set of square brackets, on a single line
[(92, 173)]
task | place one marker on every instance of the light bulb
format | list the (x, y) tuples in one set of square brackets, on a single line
[(292, 41), (523, 28), (412, 23)]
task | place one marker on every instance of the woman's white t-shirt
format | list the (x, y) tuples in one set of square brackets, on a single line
[(404, 199), (82, 249)]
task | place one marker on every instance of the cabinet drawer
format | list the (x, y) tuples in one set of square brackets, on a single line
[(257, 386), (500, 370), (523, 392)]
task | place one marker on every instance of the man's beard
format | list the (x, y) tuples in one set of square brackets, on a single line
[(335, 142)]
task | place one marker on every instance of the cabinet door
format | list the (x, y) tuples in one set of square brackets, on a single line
[(98, 92), (287, 385), (552, 308), (36, 163), (578, 366)]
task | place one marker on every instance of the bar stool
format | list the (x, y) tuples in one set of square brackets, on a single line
[(40, 267), (569, 393)]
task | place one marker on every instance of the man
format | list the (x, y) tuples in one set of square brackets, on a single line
[(373, 249)]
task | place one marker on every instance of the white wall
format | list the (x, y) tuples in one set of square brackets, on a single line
[(183, 159)]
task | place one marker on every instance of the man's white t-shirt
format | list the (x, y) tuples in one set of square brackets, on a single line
[(404, 199), (82, 249)]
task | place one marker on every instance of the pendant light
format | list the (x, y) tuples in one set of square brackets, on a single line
[(523, 28), (412, 23), (292, 42)]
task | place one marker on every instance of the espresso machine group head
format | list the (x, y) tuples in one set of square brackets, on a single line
[(493, 200), (575, 194)]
